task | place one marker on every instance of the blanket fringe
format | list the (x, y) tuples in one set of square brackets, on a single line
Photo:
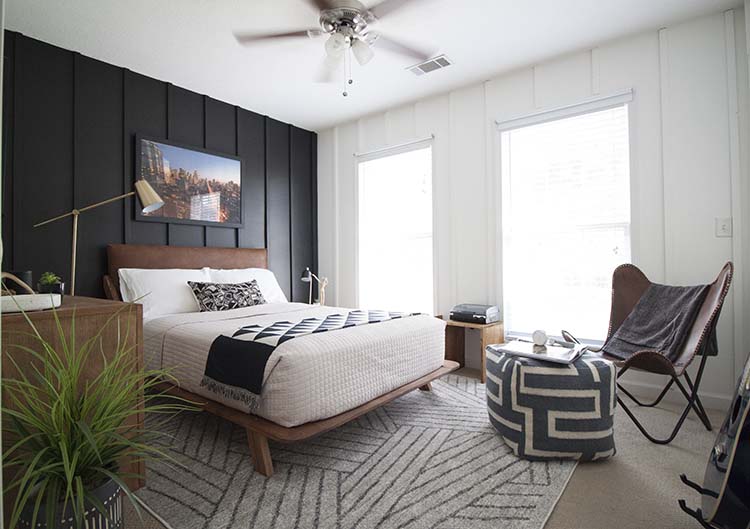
[(232, 392)]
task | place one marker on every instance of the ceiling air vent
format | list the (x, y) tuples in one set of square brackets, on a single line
[(430, 66)]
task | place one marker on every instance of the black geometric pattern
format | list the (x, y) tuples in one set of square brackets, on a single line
[(236, 365), (426, 460), (281, 331), (213, 297), (549, 411)]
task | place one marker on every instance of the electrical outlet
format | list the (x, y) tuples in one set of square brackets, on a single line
[(723, 226)]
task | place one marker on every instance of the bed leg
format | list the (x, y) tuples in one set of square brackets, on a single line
[(261, 453), (426, 387)]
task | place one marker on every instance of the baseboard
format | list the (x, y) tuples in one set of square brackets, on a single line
[(713, 401)]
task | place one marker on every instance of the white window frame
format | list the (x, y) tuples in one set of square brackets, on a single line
[(568, 111), (594, 104), (393, 150)]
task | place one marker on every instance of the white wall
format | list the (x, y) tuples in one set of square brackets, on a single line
[(689, 118)]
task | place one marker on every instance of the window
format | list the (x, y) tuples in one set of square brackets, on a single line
[(395, 232), (566, 220)]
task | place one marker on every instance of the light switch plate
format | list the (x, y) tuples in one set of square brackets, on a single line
[(723, 226)]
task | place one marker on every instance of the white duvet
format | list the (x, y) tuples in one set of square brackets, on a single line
[(308, 378)]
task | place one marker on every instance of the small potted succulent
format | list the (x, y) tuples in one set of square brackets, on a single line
[(50, 283)]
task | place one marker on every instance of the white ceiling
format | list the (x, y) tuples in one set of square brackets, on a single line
[(190, 43)]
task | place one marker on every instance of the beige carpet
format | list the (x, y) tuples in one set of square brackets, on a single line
[(638, 488)]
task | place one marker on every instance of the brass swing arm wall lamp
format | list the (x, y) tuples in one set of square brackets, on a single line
[(150, 201)]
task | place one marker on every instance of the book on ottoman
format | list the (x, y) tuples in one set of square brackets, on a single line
[(547, 353)]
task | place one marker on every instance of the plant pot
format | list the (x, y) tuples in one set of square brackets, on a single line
[(110, 494), (56, 288)]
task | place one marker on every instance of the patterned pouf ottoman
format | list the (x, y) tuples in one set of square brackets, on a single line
[(552, 411)]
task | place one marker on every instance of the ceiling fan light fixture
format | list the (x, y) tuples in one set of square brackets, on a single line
[(333, 62), (336, 45), (362, 52), (347, 24), (370, 37)]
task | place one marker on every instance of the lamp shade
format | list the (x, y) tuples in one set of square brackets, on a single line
[(336, 45), (306, 276), (150, 199), (362, 52)]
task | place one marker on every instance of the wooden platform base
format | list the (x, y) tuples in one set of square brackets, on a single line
[(260, 430)]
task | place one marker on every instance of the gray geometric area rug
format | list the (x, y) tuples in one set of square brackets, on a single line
[(426, 460)]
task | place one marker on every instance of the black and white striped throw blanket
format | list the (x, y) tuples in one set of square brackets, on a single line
[(236, 364)]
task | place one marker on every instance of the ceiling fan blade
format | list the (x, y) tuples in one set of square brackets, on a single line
[(386, 7), (250, 38), (401, 48), (320, 5)]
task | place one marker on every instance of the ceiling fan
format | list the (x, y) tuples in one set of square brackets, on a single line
[(348, 25)]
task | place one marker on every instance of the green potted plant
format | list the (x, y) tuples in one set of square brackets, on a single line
[(64, 437), (50, 283)]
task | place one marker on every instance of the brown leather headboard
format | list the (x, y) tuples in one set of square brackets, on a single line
[(152, 256)]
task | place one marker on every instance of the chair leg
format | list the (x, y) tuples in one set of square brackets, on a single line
[(647, 435), (651, 405), (703, 415), (692, 405), (697, 407)]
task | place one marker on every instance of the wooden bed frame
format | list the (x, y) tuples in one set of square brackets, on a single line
[(259, 430)]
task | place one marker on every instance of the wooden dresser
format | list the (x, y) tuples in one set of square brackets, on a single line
[(91, 314)]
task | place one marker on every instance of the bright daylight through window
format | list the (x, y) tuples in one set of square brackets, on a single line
[(566, 221), (395, 232)]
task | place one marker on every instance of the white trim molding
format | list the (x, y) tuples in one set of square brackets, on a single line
[(412, 145), (735, 171), (582, 107)]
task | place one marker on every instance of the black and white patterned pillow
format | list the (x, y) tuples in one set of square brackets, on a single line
[(226, 296)]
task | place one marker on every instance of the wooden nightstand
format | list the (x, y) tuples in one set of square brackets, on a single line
[(91, 314), (455, 333)]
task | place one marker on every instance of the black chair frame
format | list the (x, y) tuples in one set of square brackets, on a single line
[(628, 285), (693, 402)]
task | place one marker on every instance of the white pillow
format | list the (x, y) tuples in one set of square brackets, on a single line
[(161, 292), (267, 283)]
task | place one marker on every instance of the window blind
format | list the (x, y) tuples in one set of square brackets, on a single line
[(565, 221)]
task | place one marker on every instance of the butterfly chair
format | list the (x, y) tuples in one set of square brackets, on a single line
[(628, 285)]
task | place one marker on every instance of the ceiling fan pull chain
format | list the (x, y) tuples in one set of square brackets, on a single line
[(344, 92), (349, 68), (347, 73)]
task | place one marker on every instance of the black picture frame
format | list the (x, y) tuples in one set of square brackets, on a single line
[(157, 217)]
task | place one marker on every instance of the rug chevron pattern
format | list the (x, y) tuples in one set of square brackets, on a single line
[(427, 460)]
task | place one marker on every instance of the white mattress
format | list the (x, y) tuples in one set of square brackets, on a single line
[(311, 377)]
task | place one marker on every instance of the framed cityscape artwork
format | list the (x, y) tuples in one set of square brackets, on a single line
[(197, 186)]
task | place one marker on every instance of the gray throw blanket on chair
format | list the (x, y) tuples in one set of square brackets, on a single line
[(660, 321)]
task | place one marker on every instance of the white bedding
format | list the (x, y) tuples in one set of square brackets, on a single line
[(308, 378)]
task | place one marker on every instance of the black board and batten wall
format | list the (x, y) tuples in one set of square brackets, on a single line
[(68, 141)]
